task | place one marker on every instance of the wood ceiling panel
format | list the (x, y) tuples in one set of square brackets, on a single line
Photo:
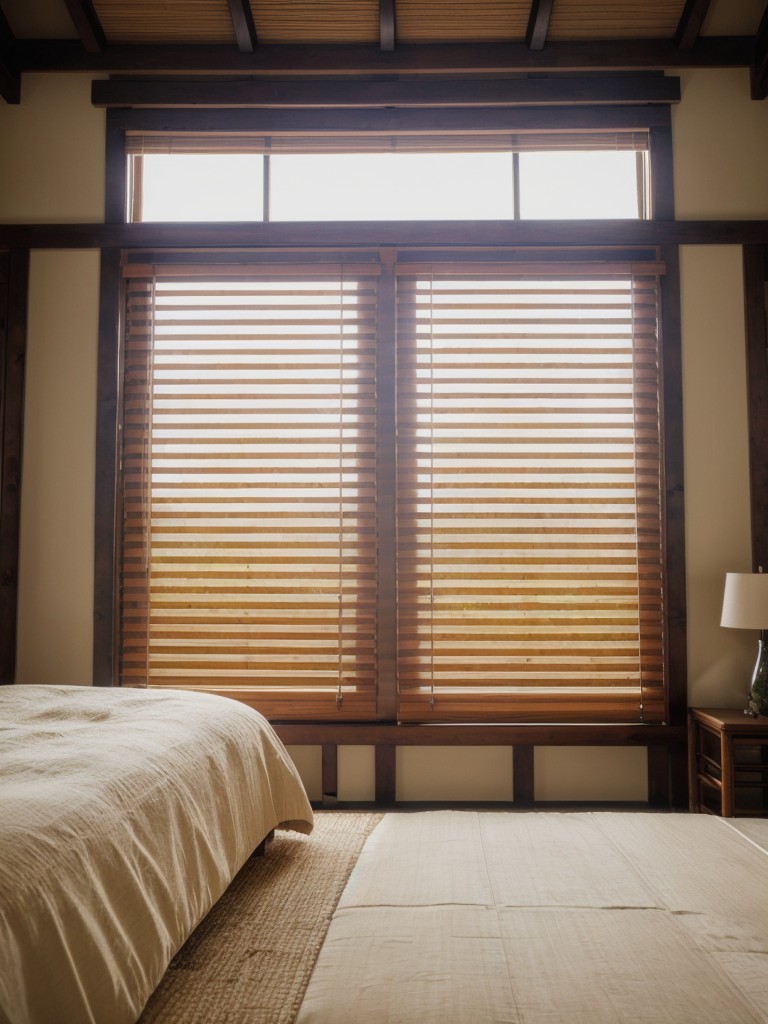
[(44, 19), (316, 21), (426, 21), (169, 21), (733, 17), (614, 19)]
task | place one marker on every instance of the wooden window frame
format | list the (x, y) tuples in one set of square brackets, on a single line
[(665, 744), (14, 289), (509, 268), (514, 144), (324, 658), (445, 689), (756, 303)]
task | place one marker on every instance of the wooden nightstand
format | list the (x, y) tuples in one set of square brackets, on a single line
[(728, 762)]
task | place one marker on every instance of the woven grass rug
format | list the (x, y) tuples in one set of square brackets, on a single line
[(249, 960)]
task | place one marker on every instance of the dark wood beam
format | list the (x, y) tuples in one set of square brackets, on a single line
[(330, 774), (662, 172), (14, 285), (175, 92), (7, 38), (88, 26), (10, 82), (106, 520), (410, 59), (523, 790), (690, 23), (10, 78), (386, 773), (760, 65), (386, 489), (243, 24), (674, 489), (387, 28), (374, 234), (538, 24), (756, 308), (392, 121), (394, 735)]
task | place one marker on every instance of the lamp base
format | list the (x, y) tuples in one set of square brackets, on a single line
[(757, 703)]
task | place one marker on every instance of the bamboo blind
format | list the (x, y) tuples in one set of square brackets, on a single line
[(140, 143), (249, 454), (425, 21), (609, 19), (528, 489), (316, 21), (357, 21), (172, 21), (529, 504)]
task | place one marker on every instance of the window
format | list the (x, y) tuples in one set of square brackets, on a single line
[(391, 186), (278, 461), (486, 177), (249, 458), (529, 517), (200, 186)]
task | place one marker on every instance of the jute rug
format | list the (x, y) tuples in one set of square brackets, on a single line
[(249, 960)]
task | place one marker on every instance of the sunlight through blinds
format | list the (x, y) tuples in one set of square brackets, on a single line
[(529, 510), (254, 452)]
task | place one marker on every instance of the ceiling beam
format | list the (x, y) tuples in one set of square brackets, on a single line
[(243, 24), (760, 67), (393, 121), (10, 78), (88, 26), (377, 233), (538, 24), (691, 20), (10, 83), (407, 59), (467, 92), (387, 27)]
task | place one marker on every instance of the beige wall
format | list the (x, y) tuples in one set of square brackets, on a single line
[(721, 146), (721, 149), (52, 153), (57, 526), (716, 468)]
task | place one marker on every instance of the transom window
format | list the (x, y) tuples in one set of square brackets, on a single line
[(250, 178)]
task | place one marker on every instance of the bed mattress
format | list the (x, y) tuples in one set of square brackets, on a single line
[(124, 814), (453, 917)]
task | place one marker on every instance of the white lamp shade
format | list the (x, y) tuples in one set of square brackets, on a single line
[(745, 601)]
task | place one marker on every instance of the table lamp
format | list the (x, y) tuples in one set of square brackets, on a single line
[(745, 606)]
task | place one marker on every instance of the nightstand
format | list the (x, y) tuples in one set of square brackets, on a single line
[(728, 762)]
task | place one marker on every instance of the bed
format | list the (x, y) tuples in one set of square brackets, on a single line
[(124, 815), (462, 917)]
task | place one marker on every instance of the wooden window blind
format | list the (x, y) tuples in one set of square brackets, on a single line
[(140, 143), (249, 548), (529, 510), (528, 480)]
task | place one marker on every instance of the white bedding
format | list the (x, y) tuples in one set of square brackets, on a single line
[(124, 814), (460, 917)]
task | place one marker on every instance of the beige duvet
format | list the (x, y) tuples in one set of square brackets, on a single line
[(124, 814), (463, 917)]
